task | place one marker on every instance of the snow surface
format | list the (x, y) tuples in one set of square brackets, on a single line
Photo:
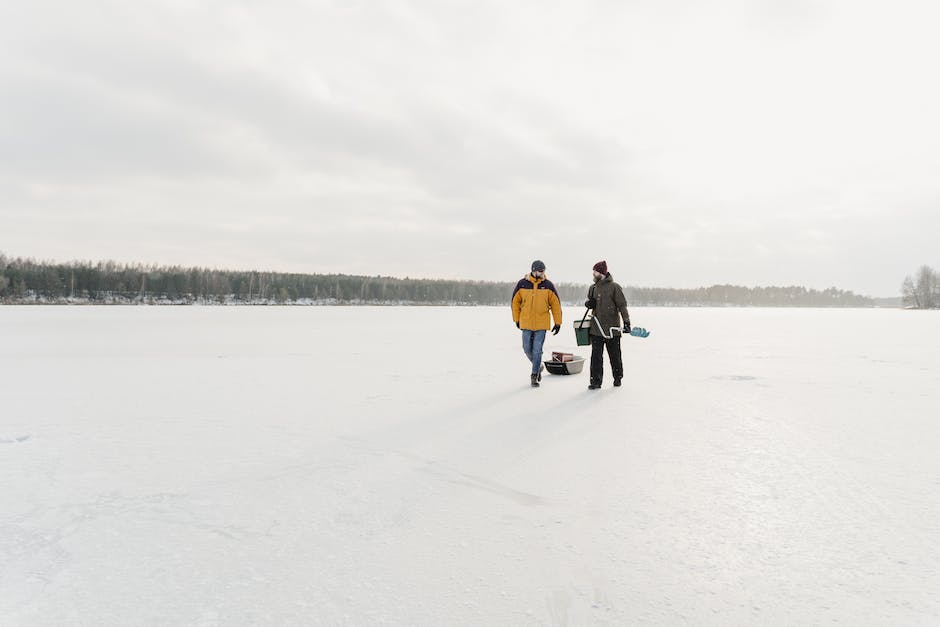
[(391, 465)]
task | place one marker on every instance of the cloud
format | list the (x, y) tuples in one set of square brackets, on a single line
[(732, 142)]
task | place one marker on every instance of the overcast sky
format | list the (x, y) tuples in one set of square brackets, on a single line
[(755, 142)]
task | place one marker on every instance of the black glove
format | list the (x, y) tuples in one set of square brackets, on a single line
[(590, 303), (556, 329), (626, 329), (517, 325)]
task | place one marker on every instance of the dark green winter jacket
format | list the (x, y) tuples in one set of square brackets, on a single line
[(610, 305)]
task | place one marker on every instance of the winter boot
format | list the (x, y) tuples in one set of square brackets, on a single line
[(616, 383), (541, 368), (535, 380), (594, 386)]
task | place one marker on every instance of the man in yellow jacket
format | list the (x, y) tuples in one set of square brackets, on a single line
[(535, 304)]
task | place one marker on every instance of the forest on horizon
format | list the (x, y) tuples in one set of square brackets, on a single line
[(27, 281)]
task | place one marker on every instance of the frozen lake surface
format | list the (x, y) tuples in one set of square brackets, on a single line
[(363, 466)]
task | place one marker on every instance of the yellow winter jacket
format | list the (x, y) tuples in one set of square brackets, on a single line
[(532, 300)]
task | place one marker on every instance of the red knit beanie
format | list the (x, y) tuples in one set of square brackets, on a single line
[(601, 266)]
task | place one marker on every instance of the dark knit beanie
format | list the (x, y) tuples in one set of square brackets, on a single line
[(601, 266), (538, 266)]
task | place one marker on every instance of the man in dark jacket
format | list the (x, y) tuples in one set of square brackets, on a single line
[(606, 298)]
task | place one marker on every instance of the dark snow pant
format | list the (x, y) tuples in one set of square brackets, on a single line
[(597, 358)]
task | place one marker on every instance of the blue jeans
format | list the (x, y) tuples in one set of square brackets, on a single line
[(532, 342)]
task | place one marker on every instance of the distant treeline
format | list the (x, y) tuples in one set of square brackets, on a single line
[(723, 295), (922, 292), (27, 280), (108, 282)]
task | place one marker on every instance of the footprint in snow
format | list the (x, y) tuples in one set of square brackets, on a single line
[(735, 377), (14, 439)]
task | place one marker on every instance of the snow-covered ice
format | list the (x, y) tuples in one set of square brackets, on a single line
[(391, 465)]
